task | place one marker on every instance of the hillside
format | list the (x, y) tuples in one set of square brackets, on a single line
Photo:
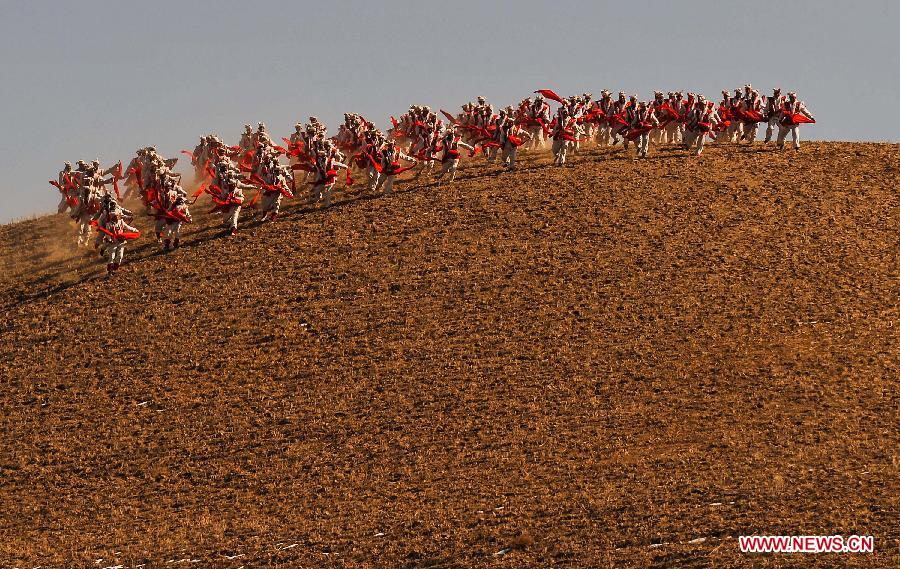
[(615, 363)]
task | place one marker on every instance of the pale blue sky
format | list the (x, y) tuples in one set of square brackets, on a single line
[(97, 79)]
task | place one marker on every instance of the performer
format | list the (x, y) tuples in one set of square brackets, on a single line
[(701, 121), (512, 137), (603, 110), (389, 163), (229, 198), (675, 128), (67, 184), (116, 233), (618, 119), (536, 118), (247, 143), (450, 144), (773, 112), (179, 214), (89, 196), (275, 185), (325, 175), (171, 211), (792, 115), (657, 135), (643, 121), (494, 139), (751, 115), (108, 205), (630, 110), (735, 130), (563, 135), (200, 158)]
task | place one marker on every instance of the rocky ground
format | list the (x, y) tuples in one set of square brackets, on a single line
[(618, 363)]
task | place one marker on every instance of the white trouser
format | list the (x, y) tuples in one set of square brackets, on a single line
[(271, 203), (116, 251), (387, 182), (537, 137), (509, 155), (783, 132), (492, 154), (322, 190), (750, 131), (560, 147), (642, 144), (616, 131), (231, 216), (699, 142), (770, 127), (84, 228), (63, 205), (604, 134), (735, 131), (674, 132), (159, 227), (173, 229), (450, 167)]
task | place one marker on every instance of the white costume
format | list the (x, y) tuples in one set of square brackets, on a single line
[(786, 125)]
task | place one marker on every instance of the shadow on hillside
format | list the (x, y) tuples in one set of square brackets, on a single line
[(89, 267)]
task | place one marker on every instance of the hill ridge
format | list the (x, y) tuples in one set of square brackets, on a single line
[(602, 363)]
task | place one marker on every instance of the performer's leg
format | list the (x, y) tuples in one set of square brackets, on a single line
[(770, 129), (752, 131), (233, 215), (454, 164), (782, 134)]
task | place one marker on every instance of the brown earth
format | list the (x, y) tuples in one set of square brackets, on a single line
[(617, 363)]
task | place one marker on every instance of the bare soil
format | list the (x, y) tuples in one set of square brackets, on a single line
[(616, 363)]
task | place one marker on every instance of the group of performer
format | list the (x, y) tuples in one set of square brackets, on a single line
[(419, 139)]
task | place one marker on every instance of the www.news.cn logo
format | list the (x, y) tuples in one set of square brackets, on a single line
[(806, 544)]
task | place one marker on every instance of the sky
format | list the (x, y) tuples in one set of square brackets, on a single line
[(99, 79)]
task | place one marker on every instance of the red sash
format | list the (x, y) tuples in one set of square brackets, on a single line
[(119, 237), (174, 215), (642, 128), (793, 119), (550, 95)]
